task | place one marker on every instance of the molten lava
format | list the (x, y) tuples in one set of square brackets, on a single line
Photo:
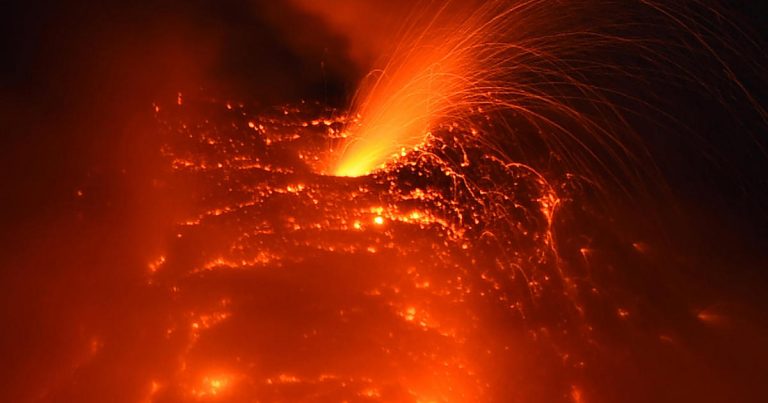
[(418, 283)]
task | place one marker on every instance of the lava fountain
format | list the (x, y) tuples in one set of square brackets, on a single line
[(552, 77), (501, 59)]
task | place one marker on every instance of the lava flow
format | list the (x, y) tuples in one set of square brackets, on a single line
[(421, 282)]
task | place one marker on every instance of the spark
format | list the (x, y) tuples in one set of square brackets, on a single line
[(536, 70)]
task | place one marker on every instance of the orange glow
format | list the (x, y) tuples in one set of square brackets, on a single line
[(576, 395), (212, 386)]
